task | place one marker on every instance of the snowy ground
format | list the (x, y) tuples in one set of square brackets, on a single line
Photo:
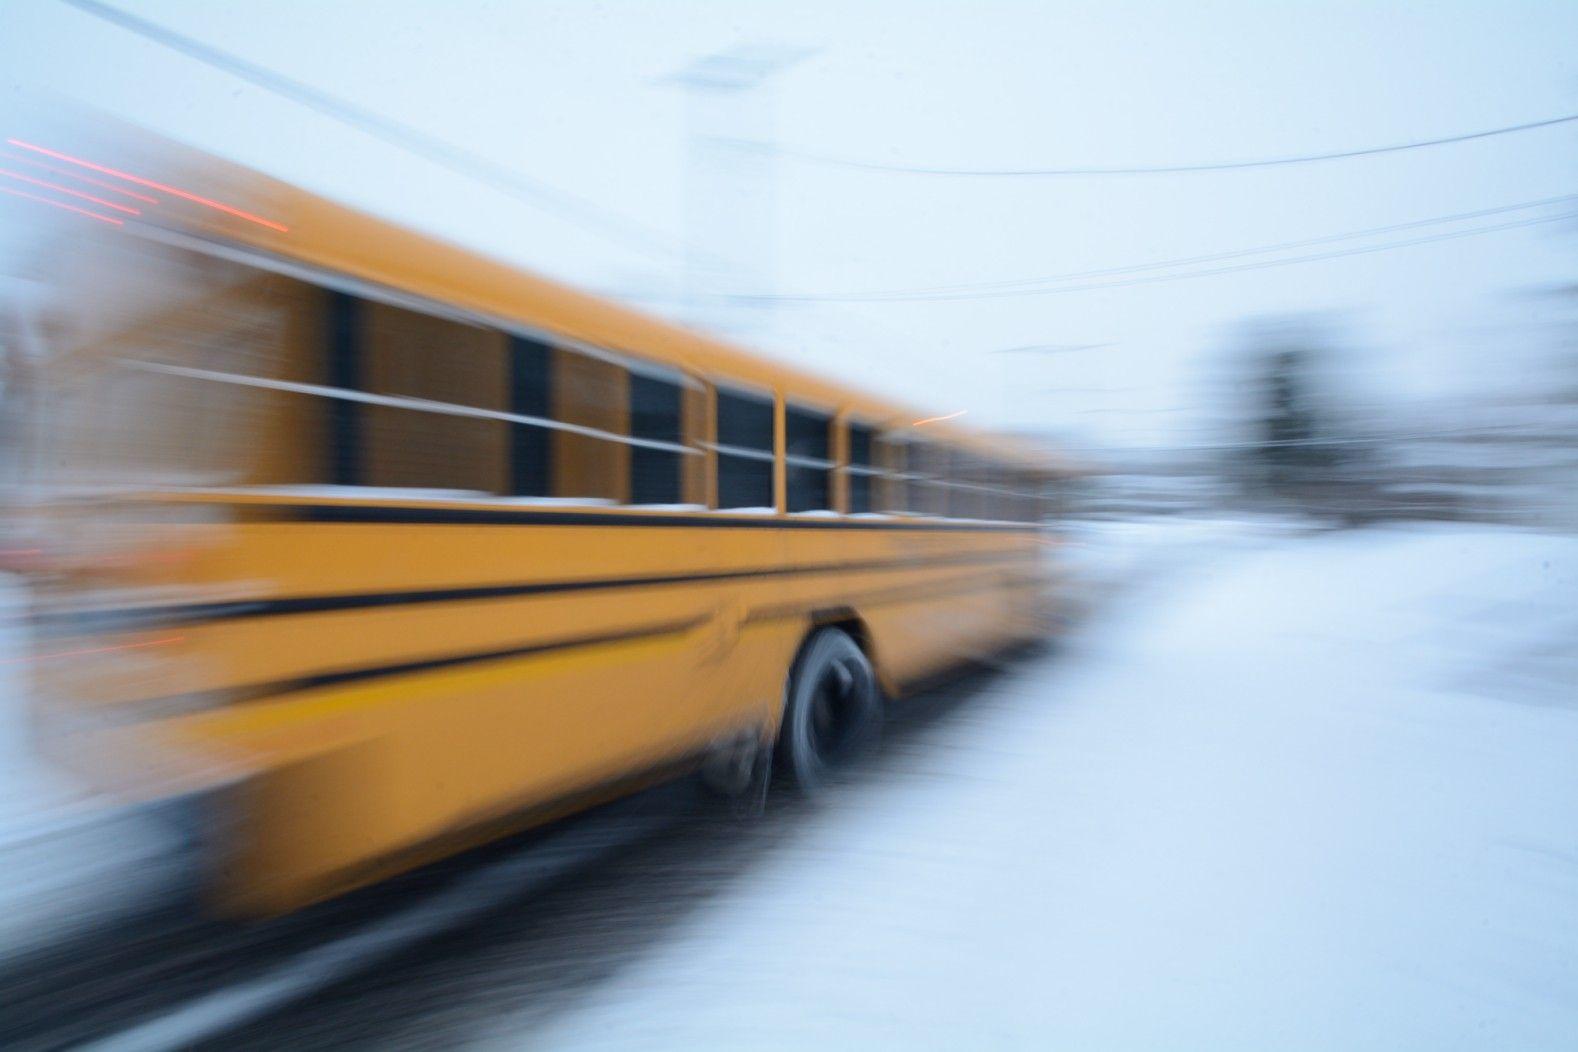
[(1320, 792)]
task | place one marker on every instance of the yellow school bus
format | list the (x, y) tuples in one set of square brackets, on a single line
[(403, 547)]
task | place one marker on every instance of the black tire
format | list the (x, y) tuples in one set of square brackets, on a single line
[(832, 710)]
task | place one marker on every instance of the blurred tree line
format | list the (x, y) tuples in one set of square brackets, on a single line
[(1315, 429), (1302, 436)]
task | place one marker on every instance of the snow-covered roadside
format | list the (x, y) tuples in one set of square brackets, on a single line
[(68, 860), (1103, 551), (1317, 794)]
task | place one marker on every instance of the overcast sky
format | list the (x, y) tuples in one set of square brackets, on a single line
[(579, 96)]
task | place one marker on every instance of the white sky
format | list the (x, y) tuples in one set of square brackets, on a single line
[(573, 94)]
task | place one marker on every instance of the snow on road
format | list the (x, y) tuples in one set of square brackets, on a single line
[(1319, 793)]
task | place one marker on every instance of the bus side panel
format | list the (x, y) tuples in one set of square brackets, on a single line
[(454, 749)]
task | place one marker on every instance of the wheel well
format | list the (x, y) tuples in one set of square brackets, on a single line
[(853, 625), (845, 619)]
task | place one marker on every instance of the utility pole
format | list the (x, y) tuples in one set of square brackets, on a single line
[(730, 201)]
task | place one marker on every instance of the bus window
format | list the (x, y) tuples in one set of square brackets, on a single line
[(982, 494), (591, 393), (179, 389), (893, 460), (937, 493), (412, 355), (998, 496), (656, 415), (745, 450), (806, 433), (1010, 503), (1027, 499), (531, 394), (1049, 499), (927, 489), (961, 494), (916, 486), (861, 469)]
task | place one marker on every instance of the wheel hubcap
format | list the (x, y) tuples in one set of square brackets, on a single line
[(835, 704)]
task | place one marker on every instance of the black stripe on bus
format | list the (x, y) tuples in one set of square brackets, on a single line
[(129, 619), (330, 679), (903, 593), (380, 513), (299, 684)]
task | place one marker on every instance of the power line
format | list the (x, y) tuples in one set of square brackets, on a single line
[(1212, 271), (831, 160), (1028, 284), (1214, 257), (1051, 348), (397, 133)]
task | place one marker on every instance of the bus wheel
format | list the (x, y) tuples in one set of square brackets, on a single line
[(833, 712)]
